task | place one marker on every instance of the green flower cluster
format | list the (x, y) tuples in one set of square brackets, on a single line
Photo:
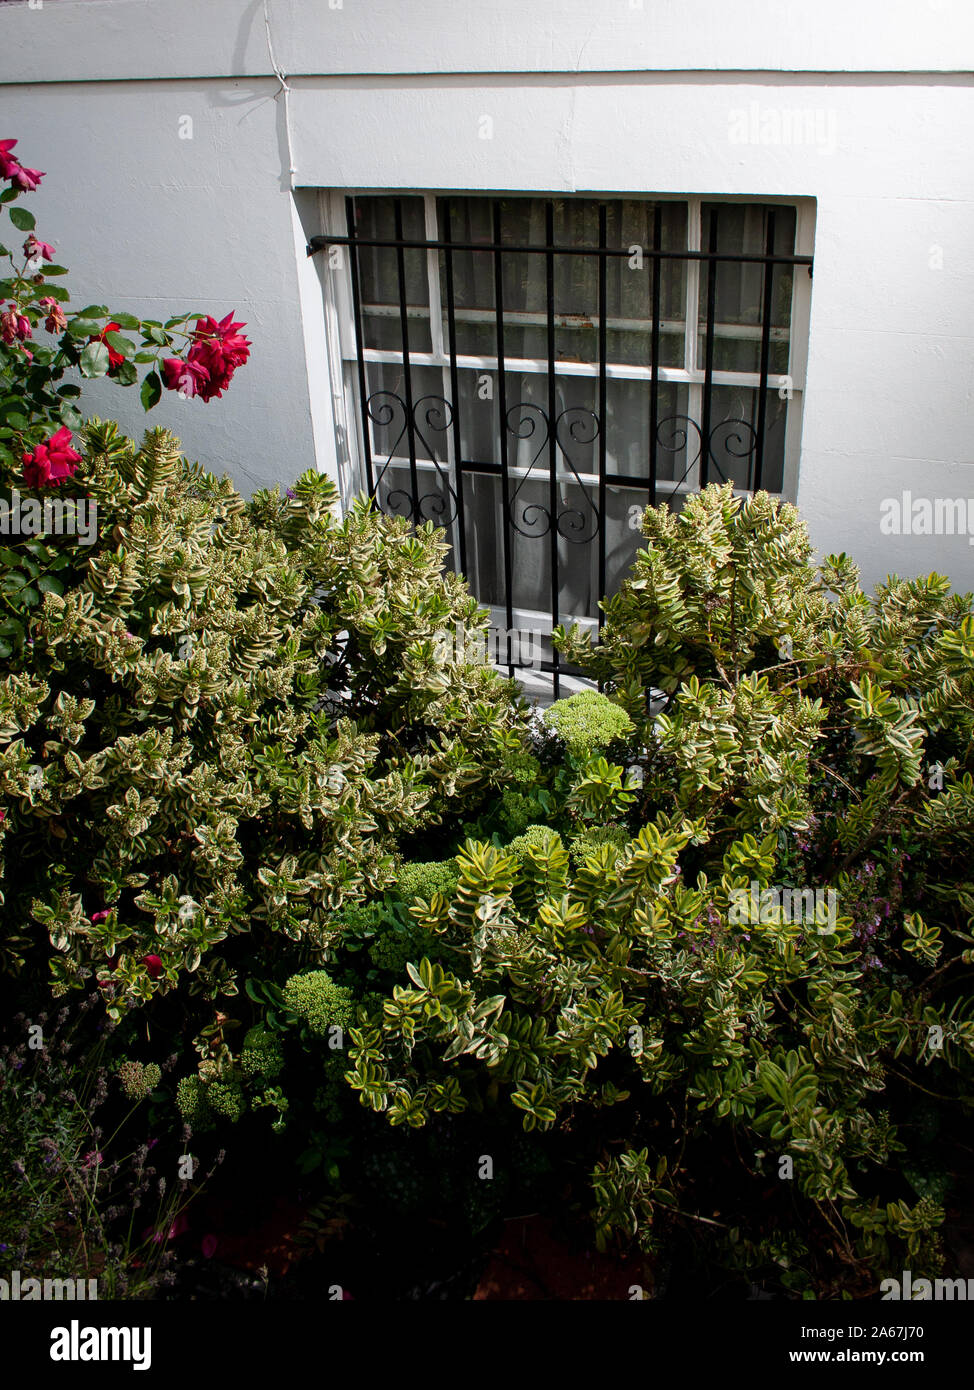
[(138, 1079), (423, 880), (535, 837), (393, 948), (593, 838), (262, 1054), (587, 721), (201, 1102), (315, 998)]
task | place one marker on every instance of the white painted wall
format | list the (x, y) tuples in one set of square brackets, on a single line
[(585, 96)]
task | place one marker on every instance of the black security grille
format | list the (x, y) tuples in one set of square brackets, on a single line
[(419, 428)]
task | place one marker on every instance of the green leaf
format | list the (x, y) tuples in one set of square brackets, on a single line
[(123, 345), (55, 270), (94, 360), (151, 391), (82, 327), (94, 311), (126, 374), (49, 585), (22, 219), (127, 321), (69, 415), (9, 194), (155, 335), (58, 292)]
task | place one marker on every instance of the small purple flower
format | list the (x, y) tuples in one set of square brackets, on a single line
[(291, 493)]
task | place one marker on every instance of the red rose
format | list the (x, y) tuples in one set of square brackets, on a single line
[(216, 351), (153, 965), (220, 350), (188, 378), (52, 461), (115, 359)]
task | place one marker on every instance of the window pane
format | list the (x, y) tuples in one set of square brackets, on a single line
[(627, 425), (629, 288), (739, 299), (628, 444), (733, 438), (379, 273), (387, 412)]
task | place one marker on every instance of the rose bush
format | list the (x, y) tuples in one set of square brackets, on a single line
[(39, 391)]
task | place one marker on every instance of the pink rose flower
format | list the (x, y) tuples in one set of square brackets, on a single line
[(52, 461), (14, 325), (153, 965), (8, 163), (12, 169), (33, 248), (55, 321), (27, 179), (99, 916)]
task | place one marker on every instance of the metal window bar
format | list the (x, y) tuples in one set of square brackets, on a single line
[(654, 349), (451, 321), (712, 258), (603, 393), (767, 311), (549, 216), (503, 424), (708, 373)]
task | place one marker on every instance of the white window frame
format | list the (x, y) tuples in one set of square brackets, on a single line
[(343, 355)]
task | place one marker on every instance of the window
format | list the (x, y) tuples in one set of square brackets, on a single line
[(530, 372)]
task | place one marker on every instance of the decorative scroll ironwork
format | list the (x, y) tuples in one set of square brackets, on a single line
[(675, 434), (673, 437), (575, 525), (440, 507)]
